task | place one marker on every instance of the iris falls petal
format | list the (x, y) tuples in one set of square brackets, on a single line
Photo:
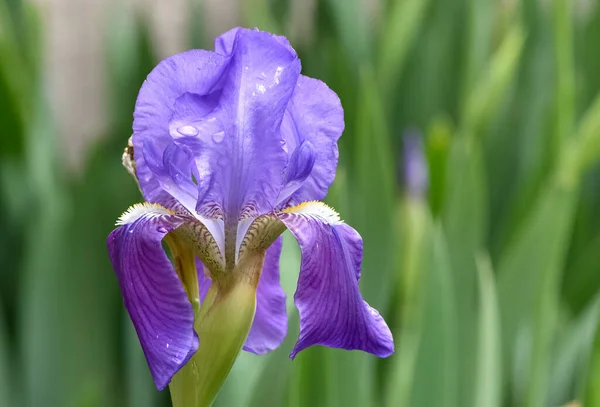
[(332, 311), (270, 321), (152, 292)]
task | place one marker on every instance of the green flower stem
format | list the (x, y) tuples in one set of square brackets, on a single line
[(222, 325)]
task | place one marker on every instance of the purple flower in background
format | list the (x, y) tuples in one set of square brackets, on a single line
[(229, 149), (416, 172)]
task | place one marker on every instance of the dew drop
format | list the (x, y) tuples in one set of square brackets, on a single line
[(188, 130), (161, 229), (261, 88), (218, 137)]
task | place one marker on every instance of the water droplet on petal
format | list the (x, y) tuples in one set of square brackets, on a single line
[(161, 229), (218, 137), (261, 88), (188, 130)]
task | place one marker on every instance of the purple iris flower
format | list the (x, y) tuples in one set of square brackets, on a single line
[(229, 149)]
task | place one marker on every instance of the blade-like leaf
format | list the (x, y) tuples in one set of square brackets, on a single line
[(573, 355), (528, 277), (399, 30), (488, 382), (417, 234), (436, 379), (6, 385)]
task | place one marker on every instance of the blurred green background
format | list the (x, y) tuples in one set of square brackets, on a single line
[(490, 282)]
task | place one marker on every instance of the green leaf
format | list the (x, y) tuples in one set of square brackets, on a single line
[(478, 42), (573, 355), (488, 378), (139, 385), (415, 226), (582, 278), (485, 97), (528, 276), (591, 396), (351, 23), (465, 220), (6, 382), (589, 136), (372, 188), (439, 141), (272, 387), (436, 379), (565, 73), (400, 28)]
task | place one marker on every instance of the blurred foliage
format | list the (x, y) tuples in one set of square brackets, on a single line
[(491, 283)]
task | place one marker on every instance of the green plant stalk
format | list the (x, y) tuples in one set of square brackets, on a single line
[(222, 326)]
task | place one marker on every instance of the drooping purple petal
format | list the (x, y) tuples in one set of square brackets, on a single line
[(237, 146), (332, 311), (314, 114), (195, 71), (270, 321), (153, 294)]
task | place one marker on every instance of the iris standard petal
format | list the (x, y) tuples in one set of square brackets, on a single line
[(224, 42), (314, 114), (197, 72), (299, 167), (332, 311), (270, 321), (152, 292), (238, 146)]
